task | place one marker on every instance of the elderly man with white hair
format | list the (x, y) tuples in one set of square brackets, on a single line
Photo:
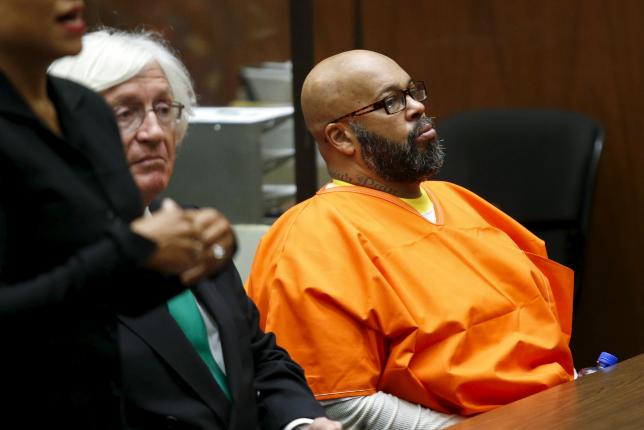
[(200, 361)]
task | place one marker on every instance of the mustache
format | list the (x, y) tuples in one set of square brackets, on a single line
[(422, 122)]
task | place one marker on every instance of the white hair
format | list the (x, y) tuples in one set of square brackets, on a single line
[(111, 57)]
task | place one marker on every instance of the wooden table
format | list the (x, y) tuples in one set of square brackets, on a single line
[(612, 399)]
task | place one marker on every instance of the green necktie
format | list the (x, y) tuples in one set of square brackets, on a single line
[(184, 310)]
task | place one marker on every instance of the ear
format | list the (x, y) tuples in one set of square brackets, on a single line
[(340, 137)]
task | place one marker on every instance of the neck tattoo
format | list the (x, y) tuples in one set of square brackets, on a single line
[(363, 181)]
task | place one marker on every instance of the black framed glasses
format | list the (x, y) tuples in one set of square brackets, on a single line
[(130, 117), (393, 103)]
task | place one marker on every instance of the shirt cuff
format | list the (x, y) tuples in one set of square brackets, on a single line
[(298, 422)]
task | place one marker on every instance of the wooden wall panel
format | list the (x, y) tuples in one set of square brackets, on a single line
[(334, 21), (214, 37)]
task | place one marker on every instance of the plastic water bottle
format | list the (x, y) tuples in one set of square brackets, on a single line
[(605, 360)]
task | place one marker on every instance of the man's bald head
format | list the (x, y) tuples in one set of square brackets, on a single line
[(341, 84), (392, 151)]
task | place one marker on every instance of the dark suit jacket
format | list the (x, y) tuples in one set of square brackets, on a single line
[(68, 261), (167, 385)]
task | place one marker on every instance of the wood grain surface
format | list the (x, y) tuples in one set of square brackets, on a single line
[(610, 399)]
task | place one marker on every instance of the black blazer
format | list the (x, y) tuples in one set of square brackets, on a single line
[(167, 385), (68, 261)]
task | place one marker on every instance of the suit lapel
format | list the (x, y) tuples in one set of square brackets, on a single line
[(236, 360), (158, 329)]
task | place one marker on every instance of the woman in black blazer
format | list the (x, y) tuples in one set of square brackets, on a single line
[(74, 249)]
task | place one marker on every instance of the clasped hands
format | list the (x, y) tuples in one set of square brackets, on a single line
[(191, 243)]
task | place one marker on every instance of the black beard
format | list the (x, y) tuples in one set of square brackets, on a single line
[(400, 162)]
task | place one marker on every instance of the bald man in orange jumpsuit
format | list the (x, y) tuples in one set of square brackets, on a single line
[(409, 303)]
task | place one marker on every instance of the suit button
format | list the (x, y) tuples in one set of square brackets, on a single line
[(171, 422)]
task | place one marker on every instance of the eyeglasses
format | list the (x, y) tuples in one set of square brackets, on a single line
[(130, 117), (393, 103)]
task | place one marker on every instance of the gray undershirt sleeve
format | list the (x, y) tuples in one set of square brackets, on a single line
[(382, 411)]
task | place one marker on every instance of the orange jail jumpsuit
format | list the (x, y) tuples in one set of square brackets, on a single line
[(460, 316)]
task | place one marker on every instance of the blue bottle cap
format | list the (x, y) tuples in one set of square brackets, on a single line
[(606, 359)]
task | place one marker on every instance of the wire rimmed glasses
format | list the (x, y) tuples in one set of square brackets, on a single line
[(130, 117)]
